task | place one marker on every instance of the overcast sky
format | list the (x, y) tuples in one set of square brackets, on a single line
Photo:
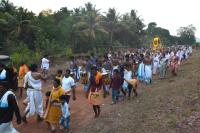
[(169, 14)]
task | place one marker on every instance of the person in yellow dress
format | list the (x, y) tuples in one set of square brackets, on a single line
[(53, 112)]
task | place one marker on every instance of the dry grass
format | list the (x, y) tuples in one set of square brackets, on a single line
[(163, 107)]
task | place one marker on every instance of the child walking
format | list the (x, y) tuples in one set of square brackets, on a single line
[(65, 117), (127, 76), (115, 84)]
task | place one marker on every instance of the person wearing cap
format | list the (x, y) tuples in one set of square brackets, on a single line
[(69, 85), (8, 106), (33, 83)]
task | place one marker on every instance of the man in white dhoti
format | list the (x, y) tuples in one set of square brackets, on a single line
[(8, 106), (190, 49), (148, 69), (168, 59), (34, 94), (155, 64), (45, 66)]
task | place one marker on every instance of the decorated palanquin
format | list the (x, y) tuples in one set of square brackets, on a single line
[(156, 45)]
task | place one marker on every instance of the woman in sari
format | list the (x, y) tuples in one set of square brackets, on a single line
[(53, 112), (163, 63), (174, 65), (93, 93)]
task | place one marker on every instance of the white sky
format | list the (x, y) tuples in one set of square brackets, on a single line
[(169, 14)]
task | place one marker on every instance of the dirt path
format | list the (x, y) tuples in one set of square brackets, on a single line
[(170, 105), (166, 106), (81, 112)]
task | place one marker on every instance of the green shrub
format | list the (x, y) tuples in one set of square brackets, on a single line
[(26, 55), (68, 51)]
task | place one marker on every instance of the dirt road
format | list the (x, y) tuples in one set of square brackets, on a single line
[(170, 105)]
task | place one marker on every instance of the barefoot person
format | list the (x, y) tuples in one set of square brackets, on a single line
[(65, 117), (116, 84), (155, 64), (163, 63), (69, 85), (148, 69), (174, 65), (94, 94), (45, 66), (34, 94), (8, 106), (128, 76), (53, 112), (23, 69)]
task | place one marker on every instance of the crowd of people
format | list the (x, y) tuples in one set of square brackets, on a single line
[(117, 73)]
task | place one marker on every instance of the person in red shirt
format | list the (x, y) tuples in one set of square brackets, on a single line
[(115, 85)]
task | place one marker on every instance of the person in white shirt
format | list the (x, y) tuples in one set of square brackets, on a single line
[(69, 85), (190, 49), (182, 54), (127, 76), (155, 64), (33, 83), (2, 72), (45, 66), (65, 117)]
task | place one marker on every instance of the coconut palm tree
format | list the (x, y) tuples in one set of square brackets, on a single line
[(90, 23), (111, 21)]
